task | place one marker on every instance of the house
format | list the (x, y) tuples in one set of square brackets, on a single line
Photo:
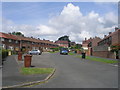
[(85, 44), (62, 43), (18, 43), (92, 44), (103, 49)]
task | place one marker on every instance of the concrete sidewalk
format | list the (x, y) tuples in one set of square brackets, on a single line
[(11, 72)]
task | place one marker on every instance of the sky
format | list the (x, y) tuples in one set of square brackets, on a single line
[(51, 20)]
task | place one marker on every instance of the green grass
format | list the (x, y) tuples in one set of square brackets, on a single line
[(53, 52), (99, 59), (32, 71), (71, 53)]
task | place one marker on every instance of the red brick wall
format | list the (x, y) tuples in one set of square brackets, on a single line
[(95, 41), (105, 54), (116, 38)]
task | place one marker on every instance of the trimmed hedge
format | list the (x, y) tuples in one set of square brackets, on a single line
[(5, 53)]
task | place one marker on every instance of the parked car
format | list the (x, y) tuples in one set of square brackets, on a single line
[(64, 51), (35, 52)]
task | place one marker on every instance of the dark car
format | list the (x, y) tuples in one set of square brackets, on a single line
[(64, 51)]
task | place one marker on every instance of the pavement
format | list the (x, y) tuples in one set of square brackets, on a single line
[(11, 75), (72, 72)]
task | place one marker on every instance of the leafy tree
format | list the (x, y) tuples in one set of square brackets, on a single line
[(64, 38), (17, 33), (115, 48)]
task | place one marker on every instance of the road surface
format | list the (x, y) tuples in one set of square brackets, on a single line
[(73, 72)]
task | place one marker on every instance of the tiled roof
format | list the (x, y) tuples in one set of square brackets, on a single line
[(62, 42), (15, 37), (111, 34), (87, 41), (4, 35)]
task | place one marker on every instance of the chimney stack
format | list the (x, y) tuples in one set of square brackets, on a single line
[(105, 36), (85, 39), (110, 33), (116, 28)]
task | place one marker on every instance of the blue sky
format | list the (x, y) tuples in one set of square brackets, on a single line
[(39, 12), (50, 20)]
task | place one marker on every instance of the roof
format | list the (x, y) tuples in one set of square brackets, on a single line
[(15, 37), (10, 36), (61, 42), (110, 34), (87, 41)]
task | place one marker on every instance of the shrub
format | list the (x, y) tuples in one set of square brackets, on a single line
[(5, 53)]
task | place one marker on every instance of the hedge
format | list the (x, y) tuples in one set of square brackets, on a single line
[(4, 53)]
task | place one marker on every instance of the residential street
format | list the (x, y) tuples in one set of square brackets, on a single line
[(72, 72)]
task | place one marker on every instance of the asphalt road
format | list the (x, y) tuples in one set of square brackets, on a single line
[(72, 72)]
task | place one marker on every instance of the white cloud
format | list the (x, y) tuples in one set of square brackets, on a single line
[(46, 30), (70, 22)]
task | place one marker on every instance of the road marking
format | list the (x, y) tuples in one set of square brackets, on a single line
[(114, 65)]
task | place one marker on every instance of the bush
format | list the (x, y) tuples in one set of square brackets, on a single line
[(5, 53), (54, 49)]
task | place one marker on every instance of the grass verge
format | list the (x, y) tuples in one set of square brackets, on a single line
[(71, 53), (32, 71), (99, 59), (53, 52)]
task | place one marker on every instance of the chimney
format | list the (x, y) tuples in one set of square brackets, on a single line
[(105, 36), (110, 33), (85, 39), (116, 28)]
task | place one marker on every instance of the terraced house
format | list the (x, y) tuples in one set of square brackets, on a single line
[(103, 47), (17, 43)]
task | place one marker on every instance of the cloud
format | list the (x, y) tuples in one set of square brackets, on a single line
[(46, 30), (70, 21)]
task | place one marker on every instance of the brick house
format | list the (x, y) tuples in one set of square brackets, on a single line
[(62, 43), (17, 43), (93, 43), (103, 48), (85, 45)]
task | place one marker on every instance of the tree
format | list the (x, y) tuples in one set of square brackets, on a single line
[(115, 48), (64, 38), (17, 33)]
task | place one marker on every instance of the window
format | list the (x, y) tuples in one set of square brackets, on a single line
[(2, 39), (3, 46), (10, 40), (16, 41), (11, 48), (32, 42)]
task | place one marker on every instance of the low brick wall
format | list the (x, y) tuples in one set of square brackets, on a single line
[(105, 54)]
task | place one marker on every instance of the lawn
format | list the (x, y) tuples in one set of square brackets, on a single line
[(71, 53), (32, 71), (100, 59), (53, 52)]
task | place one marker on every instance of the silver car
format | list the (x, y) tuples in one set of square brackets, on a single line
[(35, 52)]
